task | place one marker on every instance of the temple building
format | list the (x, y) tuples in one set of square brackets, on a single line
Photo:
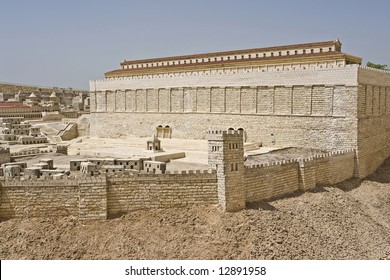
[(305, 95)]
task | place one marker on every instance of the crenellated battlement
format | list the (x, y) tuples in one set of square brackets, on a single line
[(374, 69), (219, 135), (325, 156), (184, 174), (47, 181)]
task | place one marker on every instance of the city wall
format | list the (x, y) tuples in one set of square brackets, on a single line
[(125, 194), (109, 196), (266, 181)]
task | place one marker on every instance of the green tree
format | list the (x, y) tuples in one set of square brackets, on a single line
[(377, 66)]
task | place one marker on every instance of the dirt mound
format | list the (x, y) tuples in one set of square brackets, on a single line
[(348, 221)]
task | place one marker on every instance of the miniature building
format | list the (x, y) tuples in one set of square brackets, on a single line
[(102, 161), (47, 161), (7, 137), (88, 168), (32, 172), (134, 163), (15, 128), (32, 140), (22, 165), (5, 155), (112, 168), (309, 95), (54, 102), (35, 131), (33, 100), (12, 171), (75, 165), (41, 165), (153, 144), (60, 149), (156, 167)]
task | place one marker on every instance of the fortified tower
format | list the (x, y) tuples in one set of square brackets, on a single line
[(226, 155)]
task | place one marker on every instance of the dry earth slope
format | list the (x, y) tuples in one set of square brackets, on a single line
[(350, 220)]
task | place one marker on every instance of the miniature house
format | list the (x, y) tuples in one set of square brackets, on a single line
[(154, 144)]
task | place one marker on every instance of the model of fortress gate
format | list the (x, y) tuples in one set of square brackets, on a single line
[(307, 95)]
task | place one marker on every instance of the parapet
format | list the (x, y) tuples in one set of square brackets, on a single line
[(171, 175), (374, 69), (225, 135), (314, 158)]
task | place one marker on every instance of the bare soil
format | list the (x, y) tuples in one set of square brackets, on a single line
[(350, 220)]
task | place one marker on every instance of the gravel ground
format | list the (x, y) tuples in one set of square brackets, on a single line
[(350, 220)]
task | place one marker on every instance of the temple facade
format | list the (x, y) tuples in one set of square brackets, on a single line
[(305, 95)]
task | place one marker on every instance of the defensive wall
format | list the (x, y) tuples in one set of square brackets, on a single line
[(266, 181), (108, 195)]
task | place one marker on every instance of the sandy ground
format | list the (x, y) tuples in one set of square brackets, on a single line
[(350, 220)]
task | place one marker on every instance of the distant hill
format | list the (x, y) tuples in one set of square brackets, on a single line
[(14, 88)]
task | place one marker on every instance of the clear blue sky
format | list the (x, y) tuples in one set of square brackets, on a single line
[(67, 43)]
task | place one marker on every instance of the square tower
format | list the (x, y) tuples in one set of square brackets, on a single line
[(226, 155)]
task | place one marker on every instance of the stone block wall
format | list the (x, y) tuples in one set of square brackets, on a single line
[(268, 181), (292, 100), (38, 198), (326, 169), (373, 119), (324, 106), (283, 131), (284, 75), (99, 197), (146, 191), (306, 106), (93, 199)]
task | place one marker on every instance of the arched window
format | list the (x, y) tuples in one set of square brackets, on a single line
[(242, 131), (159, 131), (167, 132)]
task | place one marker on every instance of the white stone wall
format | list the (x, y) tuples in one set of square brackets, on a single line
[(373, 119), (304, 116), (284, 75), (328, 106)]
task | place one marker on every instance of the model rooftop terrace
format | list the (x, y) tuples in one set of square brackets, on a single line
[(310, 52)]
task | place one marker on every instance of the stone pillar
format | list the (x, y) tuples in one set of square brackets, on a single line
[(226, 155)]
